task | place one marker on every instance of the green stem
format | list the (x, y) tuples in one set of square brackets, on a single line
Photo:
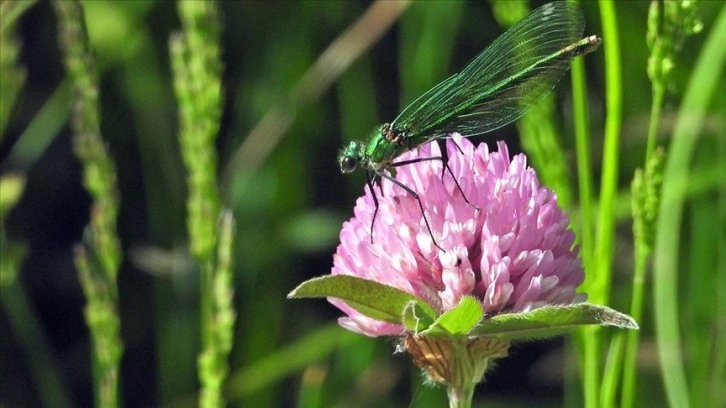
[(609, 181), (643, 245), (582, 145), (701, 89), (460, 397), (642, 254), (586, 340), (599, 266), (612, 370)]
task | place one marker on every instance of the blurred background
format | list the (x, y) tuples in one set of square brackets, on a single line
[(282, 182)]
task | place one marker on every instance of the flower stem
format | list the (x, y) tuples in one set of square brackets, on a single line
[(460, 397)]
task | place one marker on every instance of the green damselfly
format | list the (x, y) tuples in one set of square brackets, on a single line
[(496, 88)]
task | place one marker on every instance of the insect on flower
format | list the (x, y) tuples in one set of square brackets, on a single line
[(496, 88)]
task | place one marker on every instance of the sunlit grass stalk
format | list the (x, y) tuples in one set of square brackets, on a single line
[(666, 21), (657, 72), (213, 365), (197, 69), (699, 93), (581, 119), (586, 219), (99, 257), (11, 253), (599, 292), (598, 255), (644, 242), (646, 189)]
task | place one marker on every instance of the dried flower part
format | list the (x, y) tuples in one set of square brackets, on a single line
[(454, 360)]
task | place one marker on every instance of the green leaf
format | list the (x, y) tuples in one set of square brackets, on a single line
[(552, 321), (416, 319), (373, 299), (459, 320)]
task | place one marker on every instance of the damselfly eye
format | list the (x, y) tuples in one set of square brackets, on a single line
[(348, 164)]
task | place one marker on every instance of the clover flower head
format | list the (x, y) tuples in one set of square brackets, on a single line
[(510, 246)]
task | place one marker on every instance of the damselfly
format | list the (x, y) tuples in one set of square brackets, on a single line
[(496, 88)]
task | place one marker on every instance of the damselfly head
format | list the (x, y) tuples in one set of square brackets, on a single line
[(350, 156)]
